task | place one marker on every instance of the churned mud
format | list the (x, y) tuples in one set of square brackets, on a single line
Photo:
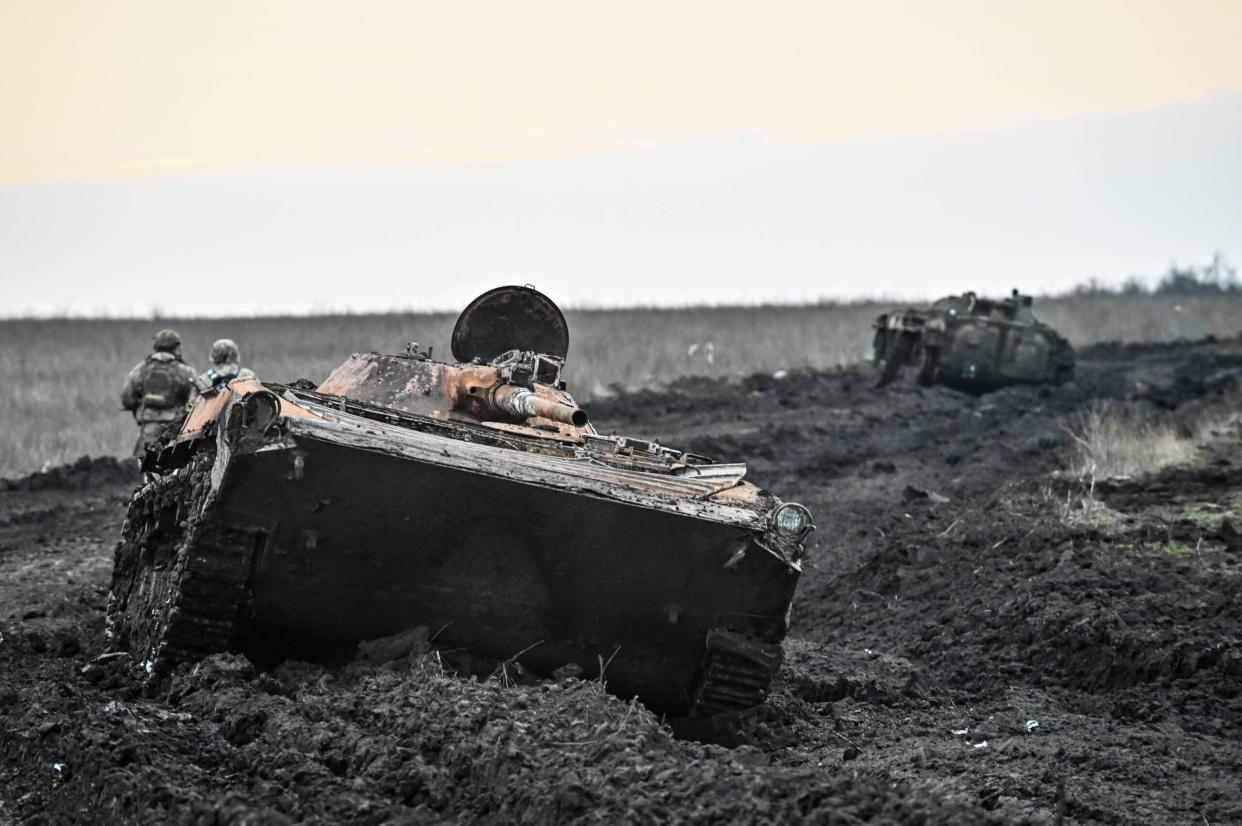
[(978, 638)]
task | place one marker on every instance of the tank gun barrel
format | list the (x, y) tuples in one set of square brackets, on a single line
[(518, 401), (485, 393)]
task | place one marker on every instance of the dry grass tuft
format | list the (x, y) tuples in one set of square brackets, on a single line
[(1112, 441)]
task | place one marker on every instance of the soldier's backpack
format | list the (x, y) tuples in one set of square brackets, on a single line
[(163, 385)]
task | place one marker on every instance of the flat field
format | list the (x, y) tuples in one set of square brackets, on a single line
[(987, 630), (60, 378)]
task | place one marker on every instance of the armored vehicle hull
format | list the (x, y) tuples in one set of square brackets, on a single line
[(281, 514), (972, 344)]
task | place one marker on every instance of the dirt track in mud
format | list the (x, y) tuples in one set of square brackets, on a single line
[(1003, 656)]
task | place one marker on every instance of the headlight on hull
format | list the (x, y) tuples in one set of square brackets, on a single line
[(791, 522)]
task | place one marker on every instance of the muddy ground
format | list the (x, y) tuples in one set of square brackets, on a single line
[(977, 638)]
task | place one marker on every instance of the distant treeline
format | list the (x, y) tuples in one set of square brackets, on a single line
[(1215, 278)]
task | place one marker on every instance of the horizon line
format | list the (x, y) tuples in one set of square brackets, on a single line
[(1084, 289)]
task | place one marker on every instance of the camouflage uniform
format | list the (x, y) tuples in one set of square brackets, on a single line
[(158, 390), (225, 366)]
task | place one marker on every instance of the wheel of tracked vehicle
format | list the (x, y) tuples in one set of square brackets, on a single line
[(180, 581), (737, 672), (897, 352), (929, 358)]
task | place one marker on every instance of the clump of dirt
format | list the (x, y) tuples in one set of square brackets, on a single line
[(977, 638), (403, 741), (85, 473)]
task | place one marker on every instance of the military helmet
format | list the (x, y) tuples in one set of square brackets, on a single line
[(225, 351), (166, 341)]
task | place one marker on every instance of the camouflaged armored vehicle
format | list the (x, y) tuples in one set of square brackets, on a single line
[(971, 343), (471, 498)]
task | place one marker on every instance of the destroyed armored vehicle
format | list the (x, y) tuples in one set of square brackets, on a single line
[(973, 344), (472, 499)]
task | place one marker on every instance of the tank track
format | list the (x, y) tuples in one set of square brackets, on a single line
[(737, 672), (181, 579)]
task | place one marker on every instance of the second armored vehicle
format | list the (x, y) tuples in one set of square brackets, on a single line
[(473, 499), (973, 344)]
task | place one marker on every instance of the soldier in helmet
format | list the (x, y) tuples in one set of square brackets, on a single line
[(225, 366), (158, 390)]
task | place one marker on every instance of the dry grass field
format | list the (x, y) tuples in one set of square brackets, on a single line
[(60, 379), (990, 627)]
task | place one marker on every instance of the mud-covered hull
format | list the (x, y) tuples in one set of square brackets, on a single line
[(352, 534), (970, 354), (990, 355), (381, 545)]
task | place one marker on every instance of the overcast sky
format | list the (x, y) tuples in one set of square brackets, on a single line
[(293, 156)]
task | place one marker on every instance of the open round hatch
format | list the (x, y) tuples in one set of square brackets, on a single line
[(510, 318)]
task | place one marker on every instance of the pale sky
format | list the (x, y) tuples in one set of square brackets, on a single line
[(778, 143)]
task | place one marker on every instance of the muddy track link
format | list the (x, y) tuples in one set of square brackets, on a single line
[(736, 673), (180, 582)]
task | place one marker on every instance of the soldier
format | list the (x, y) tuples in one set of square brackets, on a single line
[(158, 390), (1022, 312), (225, 366)]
